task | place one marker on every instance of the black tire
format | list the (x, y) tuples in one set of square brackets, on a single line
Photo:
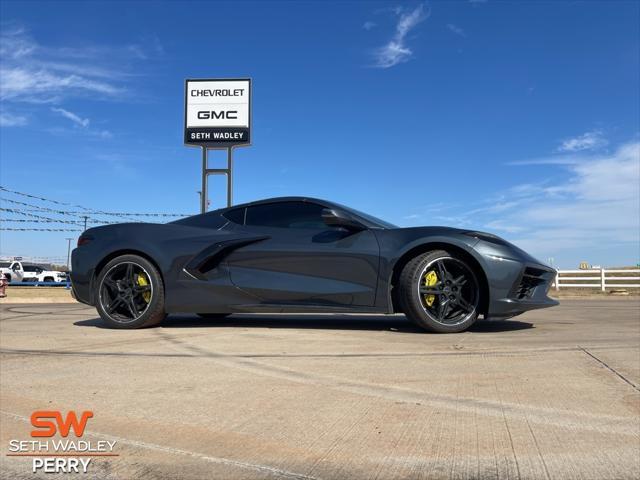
[(8, 277), (451, 305), (47, 279), (122, 303), (213, 316)]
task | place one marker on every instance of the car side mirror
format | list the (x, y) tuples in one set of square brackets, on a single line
[(336, 218)]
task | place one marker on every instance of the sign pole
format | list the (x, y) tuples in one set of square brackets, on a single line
[(206, 171), (204, 195), (229, 176)]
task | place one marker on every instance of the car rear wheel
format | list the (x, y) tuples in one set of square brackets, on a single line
[(440, 292), (130, 293)]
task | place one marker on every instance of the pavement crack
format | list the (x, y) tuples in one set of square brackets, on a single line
[(613, 370), (508, 430)]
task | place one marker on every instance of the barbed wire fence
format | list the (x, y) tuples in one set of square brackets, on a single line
[(43, 214)]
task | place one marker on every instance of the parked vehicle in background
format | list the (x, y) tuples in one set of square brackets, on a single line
[(36, 273), (12, 270)]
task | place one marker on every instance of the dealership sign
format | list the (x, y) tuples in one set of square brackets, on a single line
[(217, 112)]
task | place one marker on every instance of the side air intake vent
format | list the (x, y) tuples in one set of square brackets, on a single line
[(531, 278), (210, 257)]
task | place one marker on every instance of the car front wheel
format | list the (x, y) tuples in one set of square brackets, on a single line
[(130, 293), (440, 292)]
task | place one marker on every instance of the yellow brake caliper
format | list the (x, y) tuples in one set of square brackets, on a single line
[(142, 280), (430, 279)]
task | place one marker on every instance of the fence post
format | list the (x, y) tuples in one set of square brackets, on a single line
[(557, 280), (602, 278)]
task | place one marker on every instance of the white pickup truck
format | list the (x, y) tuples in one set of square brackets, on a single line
[(35, 273), (12, 270)]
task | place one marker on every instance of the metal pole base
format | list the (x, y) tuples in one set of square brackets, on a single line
[(204, 198)]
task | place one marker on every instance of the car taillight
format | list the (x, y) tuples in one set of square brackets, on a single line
[(84, 239)]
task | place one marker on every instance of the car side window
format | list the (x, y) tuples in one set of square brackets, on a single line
[(286, 215), (213, 220), (235, 215)]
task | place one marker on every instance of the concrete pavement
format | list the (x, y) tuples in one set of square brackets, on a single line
[(552, 394)]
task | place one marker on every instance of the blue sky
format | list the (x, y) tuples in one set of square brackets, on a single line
[(518, 118)]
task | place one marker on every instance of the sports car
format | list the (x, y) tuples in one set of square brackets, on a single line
[(297, 254)]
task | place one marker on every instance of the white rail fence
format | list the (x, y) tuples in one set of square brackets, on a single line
[(601, 278)]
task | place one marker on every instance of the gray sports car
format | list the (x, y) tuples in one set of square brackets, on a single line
[(299, 254)]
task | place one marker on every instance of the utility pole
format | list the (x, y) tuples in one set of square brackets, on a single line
[(69, 252), (85, 222)]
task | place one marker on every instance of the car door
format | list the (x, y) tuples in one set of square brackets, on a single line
[(303, 261)]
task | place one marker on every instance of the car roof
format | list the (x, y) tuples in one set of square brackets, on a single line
[(367, 219), (279, 200), (220, 211)]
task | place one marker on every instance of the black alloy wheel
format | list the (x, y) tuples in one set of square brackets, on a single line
[(440, 292), (453, 296), (130, 293)]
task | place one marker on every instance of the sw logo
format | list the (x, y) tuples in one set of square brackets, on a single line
[(50, 422)]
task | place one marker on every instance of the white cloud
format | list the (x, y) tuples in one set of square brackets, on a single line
[(9, 120), (27, 83), (503, 226), (14, 43), (38, 74), (553, 160), (456, 29), (104, 134), (30, 71), (369, 25), (598, 205), (78, 130), (396, 51), (595, 208), (79, 123), (587, 141), (82, 122)]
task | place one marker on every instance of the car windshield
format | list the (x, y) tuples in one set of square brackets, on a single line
[(4, 264), (370, 220)]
